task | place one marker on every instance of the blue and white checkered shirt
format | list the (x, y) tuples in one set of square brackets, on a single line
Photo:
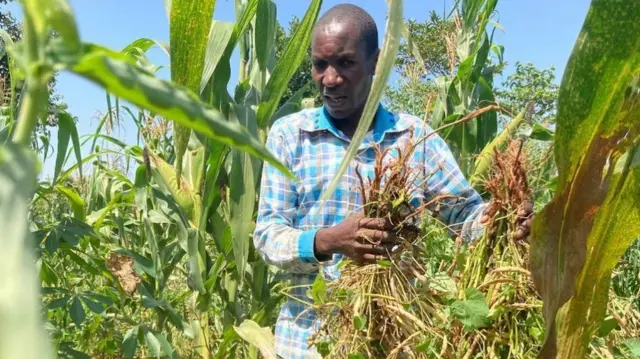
[(289, 211)]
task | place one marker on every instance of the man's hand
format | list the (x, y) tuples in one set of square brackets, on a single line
[(525, 218), (358, 238)]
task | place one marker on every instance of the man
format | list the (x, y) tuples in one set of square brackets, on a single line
[(292, 231)]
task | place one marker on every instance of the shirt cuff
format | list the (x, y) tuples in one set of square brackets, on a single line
[(305, 246)]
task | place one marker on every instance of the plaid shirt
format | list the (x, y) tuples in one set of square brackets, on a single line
[(289, 211)]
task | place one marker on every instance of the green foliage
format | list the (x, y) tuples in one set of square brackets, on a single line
[(430, 37), (301, 80), (473, 311), (527, 85)]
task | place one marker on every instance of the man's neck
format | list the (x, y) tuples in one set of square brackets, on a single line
[(349, 125)]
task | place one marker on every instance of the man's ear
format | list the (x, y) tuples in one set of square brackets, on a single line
[(374, 61)]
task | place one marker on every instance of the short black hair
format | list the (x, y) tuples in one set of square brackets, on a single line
[(357, 16)]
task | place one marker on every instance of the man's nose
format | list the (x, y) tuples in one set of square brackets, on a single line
[(331, 77)]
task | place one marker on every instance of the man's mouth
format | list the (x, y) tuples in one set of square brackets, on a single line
[(335, 100)]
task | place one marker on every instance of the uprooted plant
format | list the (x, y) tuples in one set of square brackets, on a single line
[(381, 309)]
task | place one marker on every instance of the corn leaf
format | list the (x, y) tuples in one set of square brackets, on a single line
[(385, 66), (265, 32), (595, 214), (261, 338), (219, 37), (288, 64), (77, 203), (60, 17), (216, 89), (242, 192), (115, 73), (189, 25), (23, 334), (64, 134), (485, 159)]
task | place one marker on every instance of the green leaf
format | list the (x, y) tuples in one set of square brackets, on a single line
[(607, 326), (219, 37), (634, 346), (580, 236), (60, 17), (288, 64), (189, 25), (359, 322), (265, 32), (473, 312), (76, 202), (118, 76), (93, 305), (52, 243), (58, 303), (261, 338), (157, 342), (130, 342), (196, 262), (242, 192), (319, 290), (65, 127), (77, 312), (140, 187), (22, 325), (383, 70), (541, 133), (70, 125), (484, 161), (356, 356)]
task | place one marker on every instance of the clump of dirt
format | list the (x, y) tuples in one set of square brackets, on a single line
[(121, 266)]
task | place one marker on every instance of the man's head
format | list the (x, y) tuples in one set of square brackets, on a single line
[(344, 51)]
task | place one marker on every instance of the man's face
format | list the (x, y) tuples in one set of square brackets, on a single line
[(341, 68)]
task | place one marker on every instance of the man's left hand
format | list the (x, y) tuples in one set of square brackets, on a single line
[(525, 218)]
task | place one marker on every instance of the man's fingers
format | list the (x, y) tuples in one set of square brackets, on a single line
[(373, 258), (374, 223), (526, 209), (377, 236), (368, 248)]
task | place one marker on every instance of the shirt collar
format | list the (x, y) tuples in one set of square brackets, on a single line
[(385, 122)]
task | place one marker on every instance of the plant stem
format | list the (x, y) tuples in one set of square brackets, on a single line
[(33, 104)]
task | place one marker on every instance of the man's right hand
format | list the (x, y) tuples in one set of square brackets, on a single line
[(358, 238)]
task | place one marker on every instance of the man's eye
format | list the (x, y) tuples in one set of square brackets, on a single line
[(320, 64), (346, 63)]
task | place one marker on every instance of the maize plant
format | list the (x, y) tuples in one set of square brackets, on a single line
[(595, 214)]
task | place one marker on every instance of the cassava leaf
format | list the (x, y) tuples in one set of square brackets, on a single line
[(76, 311), (130, 342), (579, 237)]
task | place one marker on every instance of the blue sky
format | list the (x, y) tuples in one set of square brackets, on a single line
[(542, 32)]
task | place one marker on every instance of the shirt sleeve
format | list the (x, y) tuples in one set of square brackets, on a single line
[(463, 208), (276, 239)]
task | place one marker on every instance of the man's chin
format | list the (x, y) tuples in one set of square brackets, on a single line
[(338, 113)]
